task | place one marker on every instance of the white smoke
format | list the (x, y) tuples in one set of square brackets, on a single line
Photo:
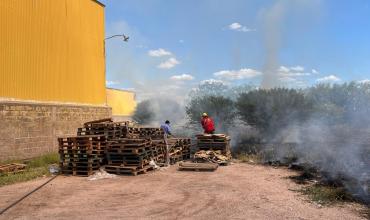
[(273, 20), (340, 151)]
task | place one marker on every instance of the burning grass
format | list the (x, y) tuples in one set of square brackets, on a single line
[(326, 195), (36, 167), (249, 158)]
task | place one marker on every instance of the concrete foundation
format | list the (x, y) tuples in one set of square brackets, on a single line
[(31, 129)]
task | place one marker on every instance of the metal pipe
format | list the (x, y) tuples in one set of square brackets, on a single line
[(25, 196)]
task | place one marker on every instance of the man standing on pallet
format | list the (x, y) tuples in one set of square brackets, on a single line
[(208, 124)]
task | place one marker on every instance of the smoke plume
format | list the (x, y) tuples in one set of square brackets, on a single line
[(272, 34), (274, 20)]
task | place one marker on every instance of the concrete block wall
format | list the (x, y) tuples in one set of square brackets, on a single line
[(31, 129)]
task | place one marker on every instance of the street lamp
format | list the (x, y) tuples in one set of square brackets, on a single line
[(125, 38)]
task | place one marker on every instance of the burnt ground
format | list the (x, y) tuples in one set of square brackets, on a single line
[(238, 191)]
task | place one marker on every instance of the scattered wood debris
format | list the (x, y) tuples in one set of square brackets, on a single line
[(212, 156), (213, 148)]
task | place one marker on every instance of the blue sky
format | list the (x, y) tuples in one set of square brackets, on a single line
[(175, 45)]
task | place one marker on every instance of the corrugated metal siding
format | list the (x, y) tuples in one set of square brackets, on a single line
[(123, 103), (52, 50)]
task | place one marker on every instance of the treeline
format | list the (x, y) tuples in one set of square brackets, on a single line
[(273, 110), (327, 127)]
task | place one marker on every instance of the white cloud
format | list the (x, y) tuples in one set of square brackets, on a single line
[(365, 81), (168, 64), (212, 81), (314, 71), (111, 83), (235, 26), (328, 79), (237, 74), (183, 77), (288, 79), (238, 27), (294, 71), (159, 53), (297, 68), (284, 69), (293, 76)]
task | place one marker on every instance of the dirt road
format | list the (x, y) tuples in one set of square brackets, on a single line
[(239, 191)]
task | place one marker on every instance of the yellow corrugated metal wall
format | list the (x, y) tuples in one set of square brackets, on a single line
[(122, 102), (52, 50)]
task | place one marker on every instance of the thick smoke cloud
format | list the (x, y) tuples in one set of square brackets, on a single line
[(334, 139)]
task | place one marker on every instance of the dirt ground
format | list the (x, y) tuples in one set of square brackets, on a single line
[(238, 191)]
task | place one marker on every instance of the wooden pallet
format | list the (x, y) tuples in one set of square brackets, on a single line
[(127, 170), (78, 172), (12, 168), (189, 166)]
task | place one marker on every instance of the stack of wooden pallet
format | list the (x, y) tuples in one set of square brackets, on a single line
[(111, 130), (124, 147), (179, 150), (153, 133), (159, 151), (129, 156), (81, 156), (214, 142), (144, 132)]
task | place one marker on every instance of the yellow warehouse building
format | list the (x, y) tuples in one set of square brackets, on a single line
[(52, 74), (52, 50), (122, 102)]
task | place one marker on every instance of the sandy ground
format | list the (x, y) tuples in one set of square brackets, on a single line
[(238, 191)]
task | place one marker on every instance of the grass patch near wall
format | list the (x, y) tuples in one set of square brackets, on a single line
[(36, 167)]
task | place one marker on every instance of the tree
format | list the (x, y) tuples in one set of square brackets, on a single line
[(143, 113), (220, 108), (274, 109), (347, 103)]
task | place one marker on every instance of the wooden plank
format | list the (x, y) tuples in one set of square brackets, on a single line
[(189, 166)]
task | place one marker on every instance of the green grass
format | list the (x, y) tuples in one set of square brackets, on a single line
[(326, 195), (36, 167)]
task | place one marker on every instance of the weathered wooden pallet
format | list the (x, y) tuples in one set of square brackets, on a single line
[(128, 170), (78, 172), (12, 168), (129, 156), (80, 167), (80, 159), (140, 164), (189, 166), (129, 141), (104, 120), (79, 151)]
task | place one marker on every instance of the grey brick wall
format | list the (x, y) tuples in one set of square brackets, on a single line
[(31, 129)]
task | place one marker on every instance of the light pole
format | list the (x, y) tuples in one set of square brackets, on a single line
[(125, 38)]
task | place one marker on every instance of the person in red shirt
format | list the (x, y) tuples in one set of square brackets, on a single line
[(208, 124)]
